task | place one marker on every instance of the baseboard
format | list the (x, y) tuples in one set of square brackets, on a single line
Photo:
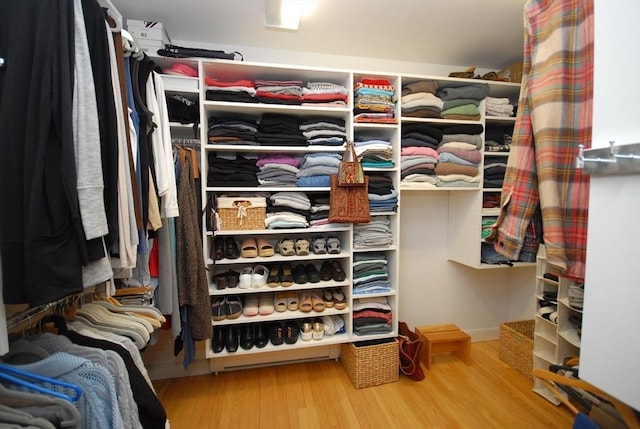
[(479, 335)]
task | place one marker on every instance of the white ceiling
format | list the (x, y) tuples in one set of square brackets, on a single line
[(483, 33)]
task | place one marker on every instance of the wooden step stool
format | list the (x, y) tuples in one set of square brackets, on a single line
[(444, 338)]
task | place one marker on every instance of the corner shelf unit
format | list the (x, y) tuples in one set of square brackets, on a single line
[(555, 338)]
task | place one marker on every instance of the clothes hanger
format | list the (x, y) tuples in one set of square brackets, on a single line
[(550, 379), (113, 12), (6, 372)]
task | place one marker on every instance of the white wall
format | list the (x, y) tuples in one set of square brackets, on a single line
[(435, 290)]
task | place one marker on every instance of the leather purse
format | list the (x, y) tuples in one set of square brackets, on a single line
[(409, 346), (349, 204), (350, 171)]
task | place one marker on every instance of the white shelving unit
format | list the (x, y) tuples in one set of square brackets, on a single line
[(465, 204), (553, 341), (466, 212)]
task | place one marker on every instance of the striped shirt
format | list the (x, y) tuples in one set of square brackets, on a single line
[(554, 117)]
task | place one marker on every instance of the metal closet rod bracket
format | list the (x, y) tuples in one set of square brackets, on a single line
[(624, 159)]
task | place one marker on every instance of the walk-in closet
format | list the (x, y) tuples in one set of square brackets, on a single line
[(312, 213)]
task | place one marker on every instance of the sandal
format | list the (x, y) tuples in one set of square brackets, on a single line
[(316, 301), (302, 247), (327, 296), (286, 247), (292, 300), (305, 304), (333, 245), (319, 245), (265, 249), (274, 276), (339, 301), (249, 248), (286, 275), (280, 301)]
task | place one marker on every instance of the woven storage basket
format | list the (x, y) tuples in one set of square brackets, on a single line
[(241, 212), (516, 345), (371, 365)]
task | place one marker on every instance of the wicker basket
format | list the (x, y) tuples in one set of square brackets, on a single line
[(237, 213), (371, 365), (516, 345)]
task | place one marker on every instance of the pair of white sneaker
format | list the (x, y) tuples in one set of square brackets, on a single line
[(255, 277)]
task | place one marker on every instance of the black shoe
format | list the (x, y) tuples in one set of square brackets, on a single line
[(276, 333), (291, 332), (231, 248), (337, 273), (220, 280), (260, 336), (247, 337), (232, 278), (217, 342), (326, 273), (231, 339), (313, 276), (300, 274), (217, 252)]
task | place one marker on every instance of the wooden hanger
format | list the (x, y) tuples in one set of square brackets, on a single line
[(549, 379)]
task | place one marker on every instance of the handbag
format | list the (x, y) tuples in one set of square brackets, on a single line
[(350, 171), (349, 204), (409, 346)]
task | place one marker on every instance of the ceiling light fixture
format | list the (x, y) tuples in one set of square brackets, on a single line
[(283, 13)]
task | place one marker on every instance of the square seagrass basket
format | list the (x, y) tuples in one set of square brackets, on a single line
[(371, 364), (237, 213), (516, 345)]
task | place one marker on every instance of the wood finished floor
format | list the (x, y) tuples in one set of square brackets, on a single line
[(487, 394)]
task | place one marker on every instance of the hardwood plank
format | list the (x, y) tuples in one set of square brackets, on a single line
[(486, 394)]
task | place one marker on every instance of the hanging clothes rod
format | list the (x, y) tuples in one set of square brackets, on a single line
[(37, 313), (623, 159)]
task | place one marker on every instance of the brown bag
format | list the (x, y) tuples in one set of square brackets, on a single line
[(410, 345), (349, 204), (350, 172)]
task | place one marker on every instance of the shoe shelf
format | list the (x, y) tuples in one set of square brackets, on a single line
[(278, 316), (237, 291), (315, 230), (327, 340), (229, 71), (553, 342), (277, 258)]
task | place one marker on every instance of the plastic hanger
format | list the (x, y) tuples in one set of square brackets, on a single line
[(6, 371)]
